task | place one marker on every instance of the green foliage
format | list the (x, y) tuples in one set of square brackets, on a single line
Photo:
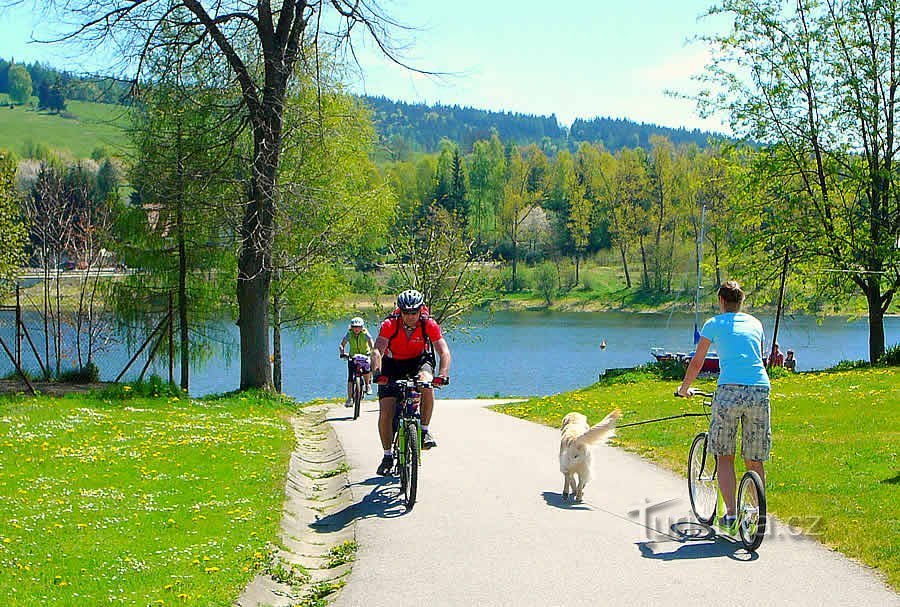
[(341, 554), (154, 386), (19, 84), (12, 232), (891, 356), (546, 281), (87, 374)]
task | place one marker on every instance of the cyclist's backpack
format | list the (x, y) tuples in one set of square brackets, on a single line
[(423, 318)]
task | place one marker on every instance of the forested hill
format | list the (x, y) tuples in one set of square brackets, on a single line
[(421, 127), (416, 127)]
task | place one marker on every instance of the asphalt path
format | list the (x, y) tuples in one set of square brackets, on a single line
[(490, 528)]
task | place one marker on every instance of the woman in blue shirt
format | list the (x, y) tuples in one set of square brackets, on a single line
[(742, 394)]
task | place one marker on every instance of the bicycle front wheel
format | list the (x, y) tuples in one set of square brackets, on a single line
[(357, 395), (410, 465), (702, 480), (751, 510)]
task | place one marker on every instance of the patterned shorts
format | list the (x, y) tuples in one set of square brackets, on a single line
[(748, 405)]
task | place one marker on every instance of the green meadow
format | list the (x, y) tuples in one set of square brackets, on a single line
[(81, 129), (835, 463), (119, 499)]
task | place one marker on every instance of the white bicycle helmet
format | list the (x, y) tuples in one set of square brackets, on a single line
[(410, 300), (357, 321)]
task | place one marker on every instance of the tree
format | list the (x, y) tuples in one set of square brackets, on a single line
[(12, 232), (817, 84), (439, 259), (258, 45), (525, 189), (19, 84), (182, 236)]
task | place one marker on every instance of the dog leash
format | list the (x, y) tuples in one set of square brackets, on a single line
[(661, 419)]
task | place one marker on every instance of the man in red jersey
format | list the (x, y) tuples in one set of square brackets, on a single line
[(405, 347)]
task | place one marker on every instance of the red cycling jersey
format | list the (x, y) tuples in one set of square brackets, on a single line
[(403, 347)]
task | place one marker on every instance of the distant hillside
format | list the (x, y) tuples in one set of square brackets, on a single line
[(617, 133), (403, 127), (419, 127), (82, 129)]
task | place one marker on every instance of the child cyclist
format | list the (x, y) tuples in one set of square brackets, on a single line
[(360, 344)]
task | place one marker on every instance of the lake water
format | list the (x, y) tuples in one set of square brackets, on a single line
[(512, 353)]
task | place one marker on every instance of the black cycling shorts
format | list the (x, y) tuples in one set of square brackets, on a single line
[(401, 369)]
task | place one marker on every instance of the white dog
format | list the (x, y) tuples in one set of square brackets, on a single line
[(575, 449)]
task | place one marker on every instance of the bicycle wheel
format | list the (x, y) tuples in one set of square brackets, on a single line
[(751, 510), (701, 473), (410, 465), (357, 395)]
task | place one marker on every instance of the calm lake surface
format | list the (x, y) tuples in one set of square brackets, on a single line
[(509, 353)]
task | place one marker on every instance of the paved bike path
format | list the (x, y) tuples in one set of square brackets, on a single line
[(490, 528)]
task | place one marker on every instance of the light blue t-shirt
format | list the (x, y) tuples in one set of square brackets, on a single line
[(738, 339)]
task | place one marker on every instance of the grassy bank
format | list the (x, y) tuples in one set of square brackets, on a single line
[(128, 500), (835, 464)]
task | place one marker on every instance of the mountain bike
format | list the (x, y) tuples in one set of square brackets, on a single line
[(359, 366), (707, 503), (407, 445)]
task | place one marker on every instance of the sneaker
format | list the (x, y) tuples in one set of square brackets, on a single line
[(387, 463), (728, 523), (428, 440), (348, 403), (369, 389)]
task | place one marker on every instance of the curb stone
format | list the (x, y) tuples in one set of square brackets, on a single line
[(316, 488)]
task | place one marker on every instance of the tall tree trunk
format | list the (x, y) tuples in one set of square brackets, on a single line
[(577, 263), (184, 339), (254, 262), (276, 340), (645, 279), (876, 318), (515, 263), (625, 267)]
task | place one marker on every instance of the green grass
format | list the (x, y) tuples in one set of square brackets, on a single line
[(90, 126), (835, 464), (138, 501)]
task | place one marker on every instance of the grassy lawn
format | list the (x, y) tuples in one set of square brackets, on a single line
[(82, 128), (835, 465), (128, 500)]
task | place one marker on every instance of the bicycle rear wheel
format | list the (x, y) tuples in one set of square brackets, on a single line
[(701, 473), (357, 395), (751, 510), (409, 467)]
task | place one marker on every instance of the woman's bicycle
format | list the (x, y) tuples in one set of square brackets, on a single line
[(706, 499), (359, 366), (407, 444)]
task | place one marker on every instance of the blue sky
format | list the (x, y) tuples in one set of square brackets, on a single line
[(575, 59)]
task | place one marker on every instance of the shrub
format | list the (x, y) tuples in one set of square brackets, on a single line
[(545, 281), (363, 282), (88, 374), (154, 386), (891, 356)]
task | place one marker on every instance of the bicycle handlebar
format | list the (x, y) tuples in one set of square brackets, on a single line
[(696, 393)]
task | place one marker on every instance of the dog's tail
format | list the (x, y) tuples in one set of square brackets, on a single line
[(602, 431)]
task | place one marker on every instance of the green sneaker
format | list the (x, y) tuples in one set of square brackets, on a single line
[(728, 524)]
